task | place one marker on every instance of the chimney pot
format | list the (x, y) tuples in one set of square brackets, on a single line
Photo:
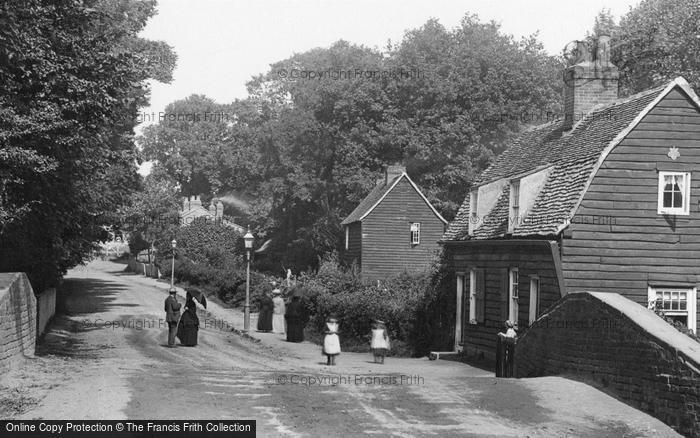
[(603, 50), (589, 83)]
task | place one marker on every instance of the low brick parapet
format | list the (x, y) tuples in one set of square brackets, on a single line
[(622, 346)]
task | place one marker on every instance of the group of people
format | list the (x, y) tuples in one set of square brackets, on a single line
[(278, 317), (379, 341), (186, 326)]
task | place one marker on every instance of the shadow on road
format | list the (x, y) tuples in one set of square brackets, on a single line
[(84, 296)]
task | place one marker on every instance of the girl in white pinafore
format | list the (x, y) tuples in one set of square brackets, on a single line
[(331, 342), (379, 345)]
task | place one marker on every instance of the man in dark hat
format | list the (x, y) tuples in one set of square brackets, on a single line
[(172, 316)]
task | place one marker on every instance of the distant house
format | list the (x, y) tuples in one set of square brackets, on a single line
[(606, 203), (192, 209), (393, 229)]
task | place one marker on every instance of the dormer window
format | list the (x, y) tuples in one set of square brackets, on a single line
[(514, 215), (674, 193), (473, 215)]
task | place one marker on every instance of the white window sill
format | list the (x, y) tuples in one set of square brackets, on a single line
[(674, 212)]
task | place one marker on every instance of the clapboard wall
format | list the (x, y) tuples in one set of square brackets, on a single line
[(495, 258), (617, 241), (386, 244)]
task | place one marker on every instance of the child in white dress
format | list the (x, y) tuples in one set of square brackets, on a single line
[(331, 342), (379, 345)]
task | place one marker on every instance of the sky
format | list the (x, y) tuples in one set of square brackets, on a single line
[(221, 44)]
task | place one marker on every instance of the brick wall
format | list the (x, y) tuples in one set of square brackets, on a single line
[(624, 348), (17, 318)]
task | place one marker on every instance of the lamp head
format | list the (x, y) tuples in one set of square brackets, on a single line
[(248, 240)]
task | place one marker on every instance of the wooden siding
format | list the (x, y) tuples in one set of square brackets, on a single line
[(354, 252), (386, 245), (495, 260), (617, 241)]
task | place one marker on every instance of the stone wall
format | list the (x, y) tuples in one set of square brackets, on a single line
[(18, 318), (46, 309), (624, 348)]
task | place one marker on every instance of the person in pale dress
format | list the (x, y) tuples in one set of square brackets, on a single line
[(331, 341), (277, 311), (379, 345)]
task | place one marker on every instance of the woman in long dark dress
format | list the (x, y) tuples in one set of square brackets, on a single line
[(296, 319), (265, 315), (188, 327)]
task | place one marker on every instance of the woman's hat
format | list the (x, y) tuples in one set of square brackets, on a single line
[(379, 321), (510, 324), (276, 292)]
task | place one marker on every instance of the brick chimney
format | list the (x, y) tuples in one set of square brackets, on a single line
[(590, 81), (393, 171)]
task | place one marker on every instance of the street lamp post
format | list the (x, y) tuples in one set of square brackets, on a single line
[(248, 240), (172, 270)]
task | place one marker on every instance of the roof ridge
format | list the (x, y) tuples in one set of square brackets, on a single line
[(630, 98)]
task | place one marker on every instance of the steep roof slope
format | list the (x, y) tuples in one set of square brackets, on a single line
[(574, 158), (377, 194)]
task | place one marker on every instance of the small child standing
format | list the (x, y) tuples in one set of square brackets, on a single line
[(380, 341), (331, 342)]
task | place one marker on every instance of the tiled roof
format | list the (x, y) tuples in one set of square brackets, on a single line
[(572, 158), (370, 201), (378, 193)]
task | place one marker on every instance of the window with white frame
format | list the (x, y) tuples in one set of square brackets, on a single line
[(674, 193), (347, 237), (678, 304), (513, 281), (534, 298), (473, 215), (472, 297), (514, 215), (415, 233)]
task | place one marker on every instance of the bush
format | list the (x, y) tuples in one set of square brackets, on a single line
[(406, 303), (226, 282), (206, 242)]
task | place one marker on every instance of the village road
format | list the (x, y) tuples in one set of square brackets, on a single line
[(105, 358)]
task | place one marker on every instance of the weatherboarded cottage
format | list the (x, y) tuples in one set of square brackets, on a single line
[(606, 199), (394, 229)]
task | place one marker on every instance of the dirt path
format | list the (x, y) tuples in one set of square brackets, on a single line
[(106, 359)]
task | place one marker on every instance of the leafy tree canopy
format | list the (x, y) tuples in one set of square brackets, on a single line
[(318, 128), (73, 75), (656, 41)]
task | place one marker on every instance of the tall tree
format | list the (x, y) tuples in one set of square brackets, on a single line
[(462, 92), (187, 143), (657, 41), (318, 128), (73, 75), (151, 214)]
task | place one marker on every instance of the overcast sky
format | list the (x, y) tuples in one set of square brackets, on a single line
[(221, 44)]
